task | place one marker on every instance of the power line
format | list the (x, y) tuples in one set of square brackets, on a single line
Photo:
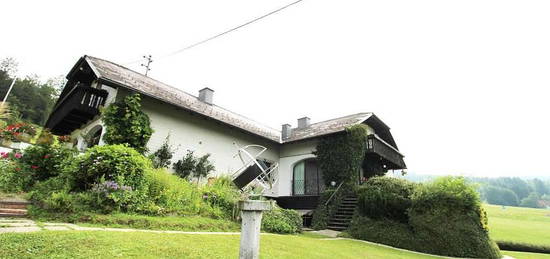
[(224, 33)]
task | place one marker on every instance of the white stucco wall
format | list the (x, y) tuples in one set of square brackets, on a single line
[(291, 154), (201, 135)]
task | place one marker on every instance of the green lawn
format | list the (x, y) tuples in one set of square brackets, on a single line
[(121, 220), (98, 244), (516, 224), (519, 255)]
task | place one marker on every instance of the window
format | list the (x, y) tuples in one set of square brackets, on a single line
[(307, 178)]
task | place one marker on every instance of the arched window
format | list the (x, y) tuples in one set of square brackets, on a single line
[(307, 178), (94, 136)]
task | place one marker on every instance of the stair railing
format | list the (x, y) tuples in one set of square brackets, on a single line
[(334, 193)]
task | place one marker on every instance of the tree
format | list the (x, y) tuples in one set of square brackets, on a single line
[(539, 187), (500, 196), (126, 123), (30, 99), (190, 165), (531, 201), (162, 157)]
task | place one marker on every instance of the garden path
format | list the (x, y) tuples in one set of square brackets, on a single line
[(13, 225)]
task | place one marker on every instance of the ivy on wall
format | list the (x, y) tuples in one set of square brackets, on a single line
[(341, 156), (126, 123)]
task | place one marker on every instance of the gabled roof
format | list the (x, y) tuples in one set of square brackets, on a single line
[(110, 72), (113, 74), (327, 127)]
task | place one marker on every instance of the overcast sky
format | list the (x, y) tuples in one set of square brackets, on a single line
[(464, 85)]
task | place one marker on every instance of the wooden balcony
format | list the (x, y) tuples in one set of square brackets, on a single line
[(390, 155), (75, 109)]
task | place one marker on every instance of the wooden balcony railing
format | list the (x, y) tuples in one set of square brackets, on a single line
[(378, 146), (76, 108)]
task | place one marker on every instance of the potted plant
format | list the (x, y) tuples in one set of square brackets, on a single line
[(6, 137), (66, 140)]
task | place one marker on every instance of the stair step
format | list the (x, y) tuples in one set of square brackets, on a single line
[(13, 211), (347, 206), (339, 220), (337, 228), (350, 202), (14, 204), (10, 215), (338, 224)]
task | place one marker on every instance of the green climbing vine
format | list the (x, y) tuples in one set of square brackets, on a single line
[(341, 156), (126, 123)]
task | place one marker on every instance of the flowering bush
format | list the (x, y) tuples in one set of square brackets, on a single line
[(13, 176), (14, 131), (45, 161), (109, 196), (118, 163)]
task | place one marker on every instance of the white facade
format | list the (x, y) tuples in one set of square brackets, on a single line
[(188, 131)]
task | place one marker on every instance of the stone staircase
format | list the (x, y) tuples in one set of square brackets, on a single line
[(341, 219), (13, 208)]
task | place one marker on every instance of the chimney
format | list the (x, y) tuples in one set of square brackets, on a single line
[(287, 131), (303, 122), (206, 95)]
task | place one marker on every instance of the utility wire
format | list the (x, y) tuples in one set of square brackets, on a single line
[(222, 33)]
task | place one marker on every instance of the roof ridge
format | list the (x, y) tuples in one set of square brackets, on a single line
[(342, 117)]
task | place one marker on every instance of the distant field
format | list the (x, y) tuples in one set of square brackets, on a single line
[(517, 224)]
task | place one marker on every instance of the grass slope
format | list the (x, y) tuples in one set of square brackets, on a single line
[(517, 224), (121, 220), (97, 244)]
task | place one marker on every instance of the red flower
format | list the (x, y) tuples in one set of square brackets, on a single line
[(46, 156), (34, 166)]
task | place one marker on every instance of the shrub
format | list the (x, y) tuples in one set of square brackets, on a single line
[(385, 197), (385, 231), (445, 218), (126, 123), (451, 193), (162, 157), (45, 161), (117, 163), (168, 193), (282, 221), (223, 194), (13, 178), (447, 214), (15, 175), (193, 166)]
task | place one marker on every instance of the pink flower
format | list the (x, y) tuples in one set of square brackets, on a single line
[(46, 156), (34, 166), (18, 155), (4, 154)]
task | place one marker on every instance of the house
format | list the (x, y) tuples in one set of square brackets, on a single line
[(196, 123)]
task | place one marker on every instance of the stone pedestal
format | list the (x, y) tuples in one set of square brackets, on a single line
[(251, 214)]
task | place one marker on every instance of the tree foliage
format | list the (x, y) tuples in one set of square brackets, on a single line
[(127, 124), (30, 100)]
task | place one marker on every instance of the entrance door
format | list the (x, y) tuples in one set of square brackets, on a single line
[(308, 179)]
